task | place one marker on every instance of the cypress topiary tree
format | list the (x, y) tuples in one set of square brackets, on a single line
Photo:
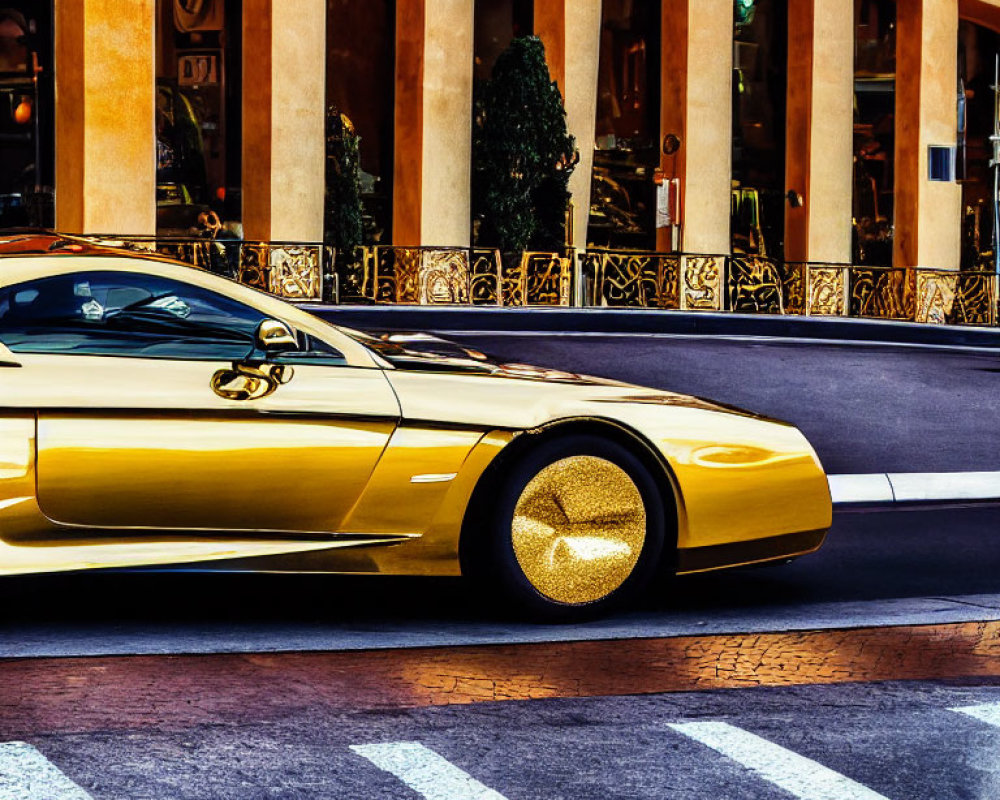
[(522, 153), (342, 224)]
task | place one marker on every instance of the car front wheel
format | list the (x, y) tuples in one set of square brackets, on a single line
[(576, 527)]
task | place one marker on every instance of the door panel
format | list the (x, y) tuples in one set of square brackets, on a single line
[(234, 473), (145, 443)]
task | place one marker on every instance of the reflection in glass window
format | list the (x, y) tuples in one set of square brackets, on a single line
[(126, 314), (874, 130), (26, 114)]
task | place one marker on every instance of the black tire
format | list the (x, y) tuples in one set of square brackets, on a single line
[(489, 556)]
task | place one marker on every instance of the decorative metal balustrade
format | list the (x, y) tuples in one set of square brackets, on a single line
[(432, 275), (310, 271), (292, 270), (752, 284)]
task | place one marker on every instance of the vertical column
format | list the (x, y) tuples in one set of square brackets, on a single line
[(446, 201), (696, 105), (673, 97), (408, 123), (433, 123), (819, 120), (550, 26), (928, 213), (284, 107), (572, 49), (105, 116)]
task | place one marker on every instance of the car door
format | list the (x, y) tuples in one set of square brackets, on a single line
[(127, 373)]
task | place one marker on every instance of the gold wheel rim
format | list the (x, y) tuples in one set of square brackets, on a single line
[(578, 529)]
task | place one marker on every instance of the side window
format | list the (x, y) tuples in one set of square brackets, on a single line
[(125, 314)]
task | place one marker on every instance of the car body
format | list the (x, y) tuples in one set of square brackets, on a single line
[(147, 422)]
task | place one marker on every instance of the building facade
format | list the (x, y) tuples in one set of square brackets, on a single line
[(825, 131)]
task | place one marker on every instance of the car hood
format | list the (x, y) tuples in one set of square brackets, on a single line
[(522, 396), (441, 380)]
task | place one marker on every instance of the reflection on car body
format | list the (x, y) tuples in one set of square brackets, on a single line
[(157, 415)]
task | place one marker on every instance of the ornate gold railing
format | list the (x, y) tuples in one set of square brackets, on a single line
[(292, 270), (752, 284), (612, 278), (432, 275), (381, 274)]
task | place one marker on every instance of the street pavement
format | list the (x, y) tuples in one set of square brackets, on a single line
[(72, 728), (904, 741)]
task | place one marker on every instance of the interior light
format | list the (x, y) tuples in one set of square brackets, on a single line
[(22, 113)]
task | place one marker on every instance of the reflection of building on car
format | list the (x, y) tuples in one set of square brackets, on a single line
[(156, 414)]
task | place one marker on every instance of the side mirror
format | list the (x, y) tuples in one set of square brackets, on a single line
[(275, 337)]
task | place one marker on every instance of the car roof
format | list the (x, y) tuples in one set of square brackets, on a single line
[(37, 243)]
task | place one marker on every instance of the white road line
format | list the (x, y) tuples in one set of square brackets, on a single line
[(795, 774), (26, 773), (873, 488), (425, 771), (917, 486), (988, 713), (914, 487)]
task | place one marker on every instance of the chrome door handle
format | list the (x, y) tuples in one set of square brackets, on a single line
[(246, 382)]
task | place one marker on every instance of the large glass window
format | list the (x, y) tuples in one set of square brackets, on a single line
[(760, 74), (874, 130), (26, 114), (360, 85), (198, 117), (497, 23), (626, 150), (978, 51)]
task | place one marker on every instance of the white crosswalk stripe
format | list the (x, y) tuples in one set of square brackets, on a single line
[(796, 774), (25, 773), (425, 771), (988, 713)]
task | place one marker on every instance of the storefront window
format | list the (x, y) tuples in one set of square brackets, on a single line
[(198, 118), (497, 22), (360, 85), (26, 115), (626, 151), (874, 130), (760, 73), (978, 50)]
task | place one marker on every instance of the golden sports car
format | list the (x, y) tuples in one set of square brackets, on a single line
[(154, 414)]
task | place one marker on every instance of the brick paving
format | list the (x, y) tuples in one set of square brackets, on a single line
[(44, 696)]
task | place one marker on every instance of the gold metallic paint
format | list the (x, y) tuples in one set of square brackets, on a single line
[(761, 478), (129, 444), (205, 473), (578, 530)]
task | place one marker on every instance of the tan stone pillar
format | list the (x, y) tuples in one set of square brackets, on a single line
[(105, 116), (408, 123), (571, 32), (928, 214), (432, 203), (284, 110), (696, 105), (819, 123), (446, 200)]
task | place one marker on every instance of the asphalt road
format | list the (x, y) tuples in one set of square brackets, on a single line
[(849, 742), (866, 408)]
